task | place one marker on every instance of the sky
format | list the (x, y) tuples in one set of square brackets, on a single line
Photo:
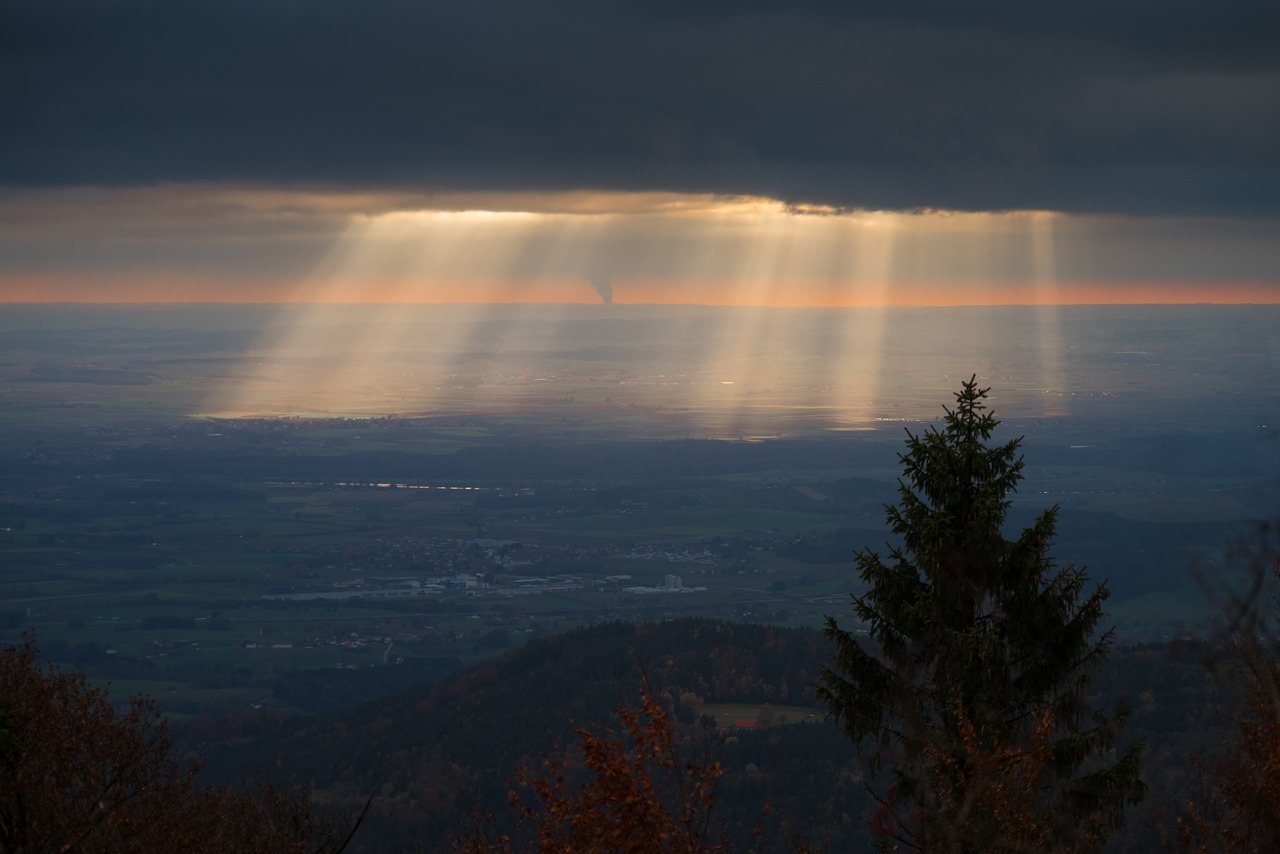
[(795, 154)]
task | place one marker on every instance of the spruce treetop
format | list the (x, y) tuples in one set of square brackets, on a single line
[(955, 491), (979, 651)]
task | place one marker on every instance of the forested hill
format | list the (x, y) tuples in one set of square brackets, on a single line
[(474, 728), (435, 751)]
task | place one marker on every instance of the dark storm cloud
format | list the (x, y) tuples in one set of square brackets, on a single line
[(1136, 106)]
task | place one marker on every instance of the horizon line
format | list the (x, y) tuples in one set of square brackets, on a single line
[(620, 305)]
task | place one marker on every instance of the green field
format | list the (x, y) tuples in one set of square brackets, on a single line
[(728, 715)]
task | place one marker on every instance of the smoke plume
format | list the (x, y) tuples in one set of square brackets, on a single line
[(603, 287)]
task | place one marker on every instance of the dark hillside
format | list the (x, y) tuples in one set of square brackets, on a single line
[(473, 728), (419, 749)]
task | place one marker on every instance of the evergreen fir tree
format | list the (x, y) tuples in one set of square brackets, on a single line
[(972, 688)]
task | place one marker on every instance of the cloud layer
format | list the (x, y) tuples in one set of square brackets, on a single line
[(1133, 107), (220, 242)]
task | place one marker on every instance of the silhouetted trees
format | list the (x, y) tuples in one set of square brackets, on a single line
[(77, 775), (1238, 807), (972, 689)]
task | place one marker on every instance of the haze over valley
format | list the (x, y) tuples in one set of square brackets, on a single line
[(387, 390), (208, 457)]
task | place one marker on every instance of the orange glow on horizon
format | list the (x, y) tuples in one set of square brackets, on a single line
[(127, 288), (942, 295), (181, 288), (273, 245)]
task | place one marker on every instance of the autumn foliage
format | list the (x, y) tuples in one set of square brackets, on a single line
[(1238, 808), (77, 775), (627, 791), (989, 799)]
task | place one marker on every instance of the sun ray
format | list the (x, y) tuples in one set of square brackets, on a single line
[(410, 310), (1048, 315), (866, 249)]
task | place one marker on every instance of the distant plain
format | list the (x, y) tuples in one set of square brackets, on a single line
[(175, 481)]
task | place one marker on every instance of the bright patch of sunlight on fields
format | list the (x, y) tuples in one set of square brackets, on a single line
[(456, 302)]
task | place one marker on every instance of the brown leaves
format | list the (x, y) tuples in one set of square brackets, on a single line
[(989, 798), (638, 796), (76, 775), (1240, 809)]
